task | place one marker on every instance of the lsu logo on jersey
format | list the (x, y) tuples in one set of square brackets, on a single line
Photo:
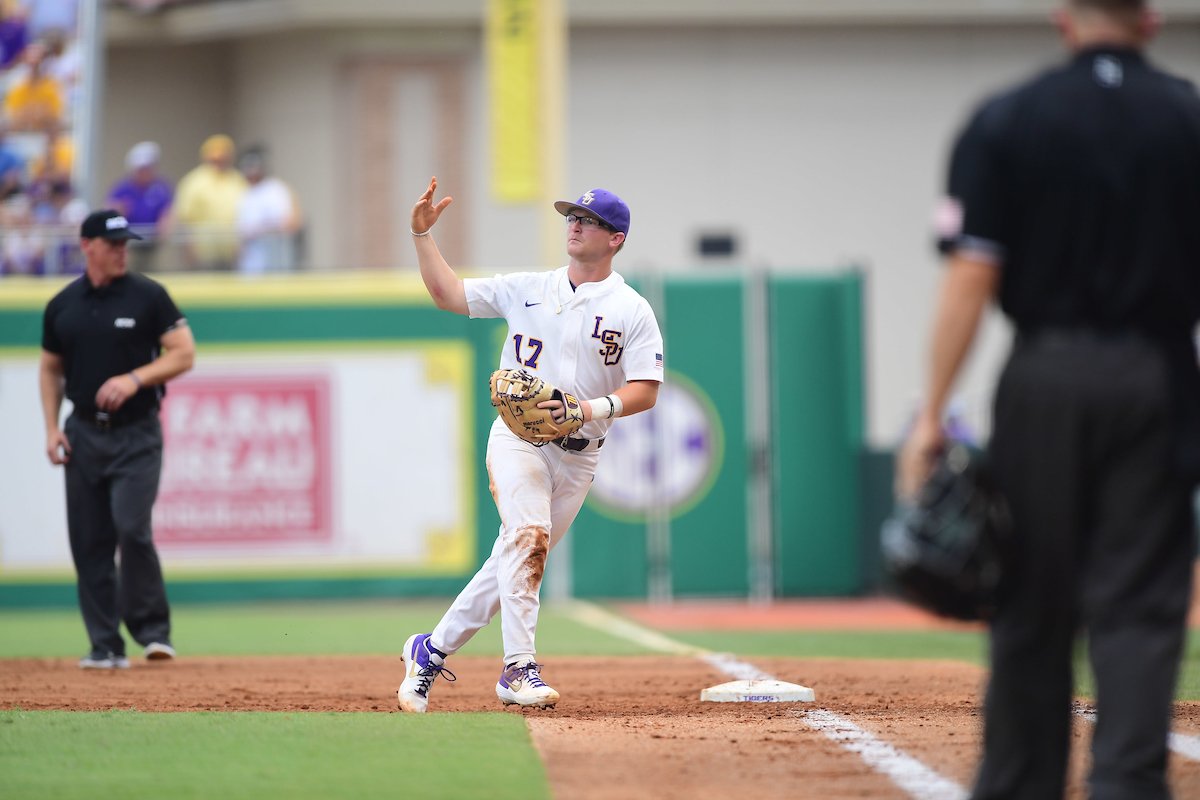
[(611, 340)]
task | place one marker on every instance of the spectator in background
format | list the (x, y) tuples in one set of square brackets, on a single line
[(267, 220), (56, 210), (22, 244), (46, 16), (50, 186), (55, 203), (14, 33), (57, 160), (36, 101), (204, 215), (143, 196), (62, 63), (58, 213), (12, 168)]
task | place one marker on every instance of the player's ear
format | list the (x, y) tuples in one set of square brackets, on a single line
[(1063, 22), (616, 239), (1149, 24)]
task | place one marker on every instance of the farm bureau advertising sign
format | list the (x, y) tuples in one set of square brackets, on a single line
[(248, 462)]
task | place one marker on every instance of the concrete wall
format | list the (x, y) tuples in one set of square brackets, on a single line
[(816, 146)]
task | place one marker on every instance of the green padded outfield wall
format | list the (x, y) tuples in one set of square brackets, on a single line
[(818, 411), (815, 368), (693, 540), (613, 551)]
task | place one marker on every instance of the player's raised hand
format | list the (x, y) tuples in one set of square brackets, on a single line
[(425, 213)]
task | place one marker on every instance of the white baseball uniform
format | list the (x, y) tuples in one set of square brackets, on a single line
[(588, 341)]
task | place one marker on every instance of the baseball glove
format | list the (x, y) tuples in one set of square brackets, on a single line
[(516, 394), (948, 551)]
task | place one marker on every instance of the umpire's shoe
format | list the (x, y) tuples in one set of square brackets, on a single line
[(159, 651), (98, 660), (422, 664), (521, 683)]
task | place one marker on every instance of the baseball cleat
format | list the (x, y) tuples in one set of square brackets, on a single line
[(522, 684), (159, 651), (103, 661), (422, 665)]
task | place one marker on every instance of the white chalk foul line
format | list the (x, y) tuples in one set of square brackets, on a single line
[(1181, 743), (905, 771), (740, 670), (607, 622), (918, 780)]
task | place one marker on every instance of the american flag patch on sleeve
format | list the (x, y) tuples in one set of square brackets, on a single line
[(658, 359)]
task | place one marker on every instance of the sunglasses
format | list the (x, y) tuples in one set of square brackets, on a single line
[(588, 222)]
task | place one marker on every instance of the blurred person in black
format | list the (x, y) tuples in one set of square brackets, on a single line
[(110, 342), (1074, 201)]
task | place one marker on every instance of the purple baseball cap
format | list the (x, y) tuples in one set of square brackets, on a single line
[(599, 203)]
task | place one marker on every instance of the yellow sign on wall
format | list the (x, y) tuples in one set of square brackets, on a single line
[(513, 48)]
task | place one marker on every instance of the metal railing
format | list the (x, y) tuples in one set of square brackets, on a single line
[(40, 249)]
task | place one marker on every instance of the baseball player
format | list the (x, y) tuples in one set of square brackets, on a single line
[(583, 329)]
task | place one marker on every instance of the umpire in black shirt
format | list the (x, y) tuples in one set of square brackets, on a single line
[(1074, 200), (110, 342)]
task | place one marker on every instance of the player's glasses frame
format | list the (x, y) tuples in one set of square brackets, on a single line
[(588, 222)]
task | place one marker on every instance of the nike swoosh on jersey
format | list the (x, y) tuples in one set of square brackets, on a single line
[(531, 305)]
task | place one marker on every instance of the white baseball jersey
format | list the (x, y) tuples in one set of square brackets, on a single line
[(588, 342)]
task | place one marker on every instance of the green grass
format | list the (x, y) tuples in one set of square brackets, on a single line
[(239, 755), (955, 645), (318, 755), (1187, 688), (328, 628), (254, 755)]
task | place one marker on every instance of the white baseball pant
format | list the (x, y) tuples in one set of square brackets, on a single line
[(538, 492)]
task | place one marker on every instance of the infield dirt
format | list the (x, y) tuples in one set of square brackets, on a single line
[(629, 727)]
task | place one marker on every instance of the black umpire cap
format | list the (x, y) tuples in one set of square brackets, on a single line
[(106, 224)]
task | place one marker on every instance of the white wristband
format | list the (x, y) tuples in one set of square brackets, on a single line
[(606, 407), (617, 405), (425, 233)]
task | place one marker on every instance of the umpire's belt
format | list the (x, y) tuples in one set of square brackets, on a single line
[(1066, 335), (106, 421), (579, 445)]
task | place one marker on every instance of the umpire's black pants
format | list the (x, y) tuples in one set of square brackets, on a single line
[(1082, 444), (112, 481)]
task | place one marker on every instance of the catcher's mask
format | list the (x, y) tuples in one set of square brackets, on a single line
[(947, 552)]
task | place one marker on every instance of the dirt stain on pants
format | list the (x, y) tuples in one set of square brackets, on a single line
[(534, 542)]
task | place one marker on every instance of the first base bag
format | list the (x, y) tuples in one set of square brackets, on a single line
[(947, 552)]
